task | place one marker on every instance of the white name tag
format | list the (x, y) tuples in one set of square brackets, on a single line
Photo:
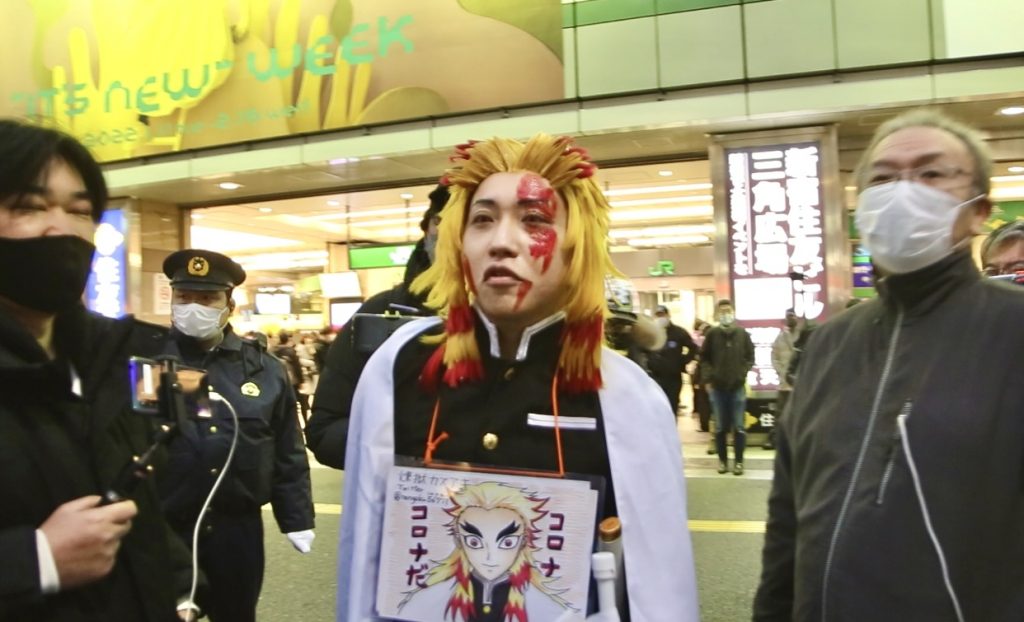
[(566, 423)]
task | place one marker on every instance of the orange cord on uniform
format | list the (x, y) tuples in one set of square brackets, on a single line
[(433, 442)]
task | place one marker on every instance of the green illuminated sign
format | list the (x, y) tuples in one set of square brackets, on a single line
[(664, 268), (379, 256)]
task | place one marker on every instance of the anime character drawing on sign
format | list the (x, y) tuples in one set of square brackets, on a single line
[(491, 574)]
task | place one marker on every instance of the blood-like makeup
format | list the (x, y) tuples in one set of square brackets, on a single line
[(535, 191), (521, 292), (543, 246)]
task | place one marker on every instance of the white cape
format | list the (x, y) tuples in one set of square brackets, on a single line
[(647, 472)]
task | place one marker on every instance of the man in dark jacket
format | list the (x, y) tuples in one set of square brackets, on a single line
[(727, 356), (66, 426), (898, 477), (327, 430), (668, 364), (269, 463)]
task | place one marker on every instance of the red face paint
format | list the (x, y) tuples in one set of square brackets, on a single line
[(537, 192), (524, 289), (535, 189), (543, 246)]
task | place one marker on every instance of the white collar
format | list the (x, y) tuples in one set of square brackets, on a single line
[(524, 341)]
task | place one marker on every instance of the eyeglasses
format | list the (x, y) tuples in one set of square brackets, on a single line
[(928, 174), (1006, 268)]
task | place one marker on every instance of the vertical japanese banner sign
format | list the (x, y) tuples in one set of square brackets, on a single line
[(773, 200), (105, 290)]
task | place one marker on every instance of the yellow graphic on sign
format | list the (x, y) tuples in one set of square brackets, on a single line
[(138, 77)]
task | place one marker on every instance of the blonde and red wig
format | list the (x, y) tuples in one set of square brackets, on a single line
[(570, 173)]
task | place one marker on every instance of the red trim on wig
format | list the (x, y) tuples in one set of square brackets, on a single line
[(460, 320), (463, 371), (430, 377), (585, 335)]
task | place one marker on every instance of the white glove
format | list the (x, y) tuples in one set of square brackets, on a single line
[(302, 540)]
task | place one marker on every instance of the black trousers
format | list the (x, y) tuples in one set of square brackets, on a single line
[(672, 387), (231, 556), (702, 404)]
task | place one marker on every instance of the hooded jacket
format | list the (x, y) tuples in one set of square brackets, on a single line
[(860, 528), (327, 430)]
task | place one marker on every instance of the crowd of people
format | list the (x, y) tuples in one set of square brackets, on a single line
[(898, 477)]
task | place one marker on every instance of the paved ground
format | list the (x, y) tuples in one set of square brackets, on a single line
[(727, 516)]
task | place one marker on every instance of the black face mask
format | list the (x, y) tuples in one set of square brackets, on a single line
[(46, 273)]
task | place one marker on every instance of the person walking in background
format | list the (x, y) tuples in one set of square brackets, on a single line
[(701, 399), (669, 363), (633, 336), (727, 356), (269, 464), (782, 353), (289, 356), (1002, 252), (327, 430), (897, 490)]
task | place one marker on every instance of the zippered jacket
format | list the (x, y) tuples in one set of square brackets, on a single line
[(899, 474)]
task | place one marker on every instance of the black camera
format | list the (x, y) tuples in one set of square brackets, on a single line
[(169, 391)]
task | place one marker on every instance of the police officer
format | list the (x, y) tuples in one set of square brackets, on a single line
[(269, 463)]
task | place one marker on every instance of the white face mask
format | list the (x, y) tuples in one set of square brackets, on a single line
[(727, 319), (661, 321), (907, 226), (199, 321)]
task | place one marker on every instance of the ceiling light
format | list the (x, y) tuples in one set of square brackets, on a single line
[(618, 192), (670, 241), (406, 195), (283, 261), (662, 201), (1011, 111), (229, 185), (198, 217), (334, 203), (665, 173), (1016, 169), (225, 241), (665, 213), (656, 232), (1006, 193), (266, 210), (390, 211), (387, 222)]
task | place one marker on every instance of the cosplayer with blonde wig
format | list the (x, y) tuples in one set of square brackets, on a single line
[(518, 280), (521, 573), (570, 173)]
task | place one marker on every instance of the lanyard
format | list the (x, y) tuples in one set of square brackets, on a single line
[(433, 441)]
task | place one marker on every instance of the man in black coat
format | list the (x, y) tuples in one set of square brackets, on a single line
[(327, 429), (727, 356), (668, 364), (66, 426)]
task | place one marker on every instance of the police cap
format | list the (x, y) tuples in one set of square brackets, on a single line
[(202, 270)]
